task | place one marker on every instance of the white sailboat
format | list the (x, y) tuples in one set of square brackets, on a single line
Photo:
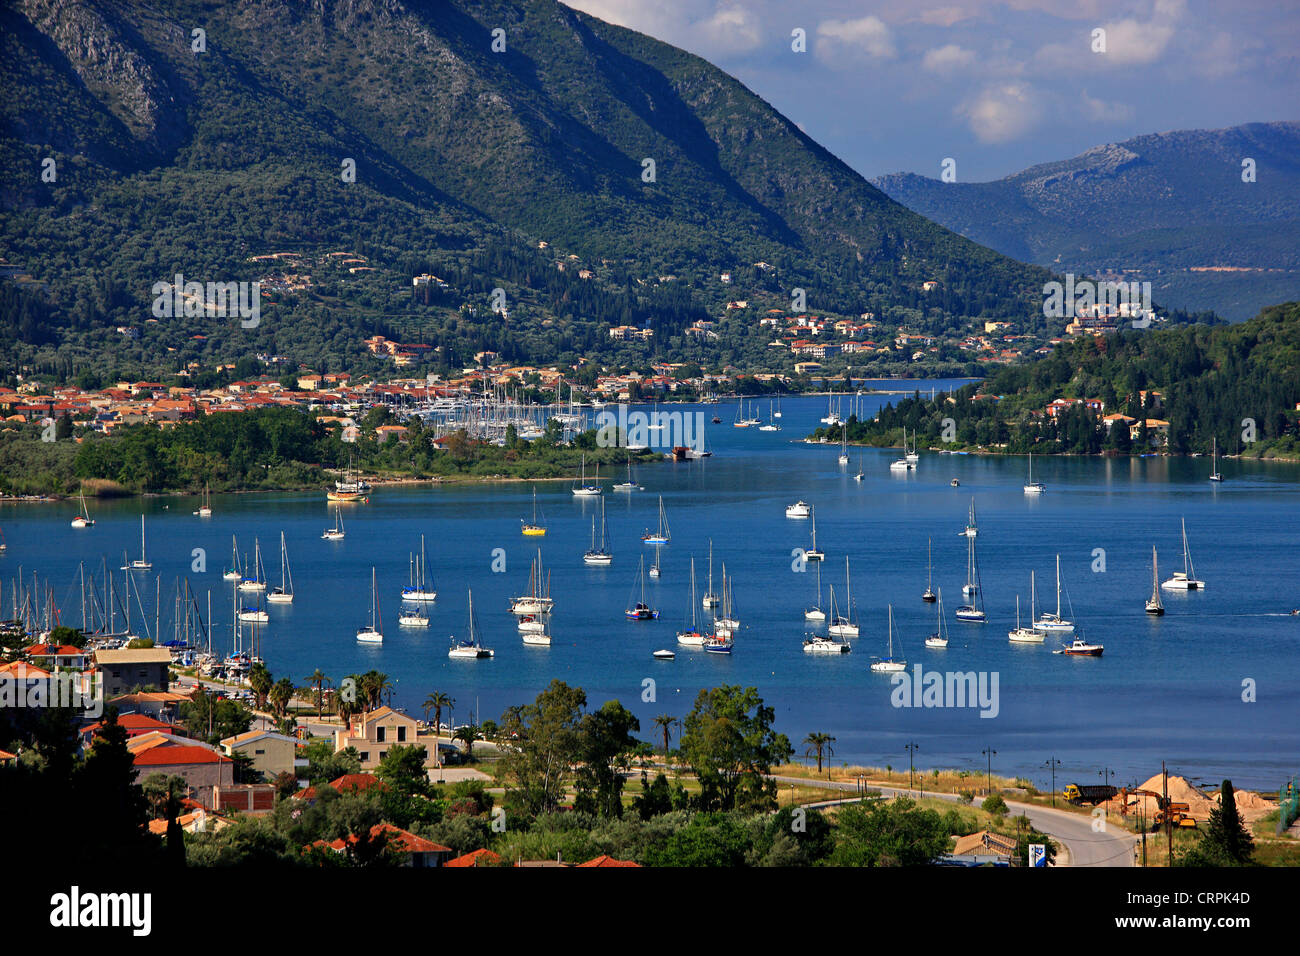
[(844, 445), (1026, 635), (692, 637), (421, 589), (258, 581), (1154, 604), (842, 624), (583, 489), (815, 613), (928, 596), (1033, 487), (710, 599), (973, 611), (284, 593), (1184, 580), (335, 533), (939, 639), (812, 554), (629, 485), (1050, 623), (725, 624), (205, 509), (661, 535), (641, 611), (254, 615), (83, 519), (655, 570), (233, 573), (141, 563), (889, 664), (910, 456), (601, 555), (469, 648), (972, 530), (538, 631), (538, 599), (1214, 462), (373, 632)]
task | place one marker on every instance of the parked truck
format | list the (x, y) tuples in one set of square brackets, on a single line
[(1079, 794)]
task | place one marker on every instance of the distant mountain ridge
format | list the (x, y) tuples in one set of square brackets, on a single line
[(1168, 207)]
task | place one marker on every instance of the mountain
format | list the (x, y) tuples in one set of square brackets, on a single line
[(180, 152), (1170, 208)]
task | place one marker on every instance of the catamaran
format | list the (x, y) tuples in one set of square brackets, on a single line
[(205, 509), (799, 509), (469, 648), (421, 588), (335, 533), (692, 637), (373, 632), (710, 599), (888, 664), (535, 529), (974, 610), (1184, 580), (842, 624), (1154, 604), (1033, 487), (233, 573), (928, 596), (284, 593), (939, 639), (583, 489), (1214, 462), (1050, 623), (141, 563), (258, 581), (641, 611), (601, 555), (661, 535), (83, 519), (1026, 635), (812, 554)]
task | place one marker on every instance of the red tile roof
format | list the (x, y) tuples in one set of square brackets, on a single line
[(178, 755), (475, 858), (605, 860)]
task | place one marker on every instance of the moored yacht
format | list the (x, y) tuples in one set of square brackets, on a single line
[(1184, 580)]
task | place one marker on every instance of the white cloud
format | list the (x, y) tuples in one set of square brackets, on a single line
[(732, 29), (947, 59), (1103, 112), (999, 114), (867, 35), (1134, 42)]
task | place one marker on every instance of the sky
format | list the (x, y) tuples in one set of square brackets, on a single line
[(995, 87)]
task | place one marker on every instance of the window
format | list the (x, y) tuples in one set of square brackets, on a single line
[(365, 756), (258, 753), (401, 734), (379, 734)]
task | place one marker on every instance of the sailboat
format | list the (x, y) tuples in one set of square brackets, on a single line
[(911, 455), (928, 596), (420, 589), (641, 611), (812, 554), (284, 593), (629, 485), (908, 461), (842, 625), (888, 664), (583, 489), (469, 648), (939, 639), (973, 611), (710, 599), (772, 416), (602, 554), (860, 475), (660, 535), (141, 563), (1033, 487), (1184, 580), (205, 509), (335, 533), (535, 529), (373, 633), (1154, 604), (815, 644), (777, 412), (1050, 623), (538, 599), (726, 624), (1214, 462), (255, 614), (971, 530), (258, 581), (692, 637), (844, 444), (1026, 635), (815, 613), (233, 573), (536, 631), (83, 519), (655, 570)]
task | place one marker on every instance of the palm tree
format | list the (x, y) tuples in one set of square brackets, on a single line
[(259, 679), (317, 679), (436, 702), (665, 723), (467, 735), (819, 744)]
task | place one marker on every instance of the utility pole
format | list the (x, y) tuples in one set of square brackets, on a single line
[(1105, 773), (1169, 836), (1053, 763), (990, 753), (911, 749)]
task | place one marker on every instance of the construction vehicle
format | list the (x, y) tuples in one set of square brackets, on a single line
[(1178, 814), (1079, 794)]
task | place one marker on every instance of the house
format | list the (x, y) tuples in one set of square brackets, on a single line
[(196, 821), (415, 851), (135, 725), (57, 656), (1157, 431), (348, 783), (374, 732), (161, 705), (272, 754), (202, 767), (985, 847), (126, 669), (476, 858), (607, 861)]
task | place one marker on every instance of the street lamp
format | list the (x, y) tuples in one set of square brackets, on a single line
[(911, 749), (990, 753), (1053, 763)]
